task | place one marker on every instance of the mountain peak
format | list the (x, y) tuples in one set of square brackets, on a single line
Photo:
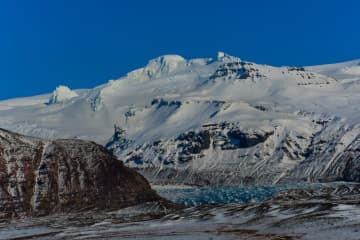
[(161, 65), (224, 57), (61, 94), (165, 64)]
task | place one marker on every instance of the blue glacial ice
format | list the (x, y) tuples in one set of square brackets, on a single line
[(192, 196)]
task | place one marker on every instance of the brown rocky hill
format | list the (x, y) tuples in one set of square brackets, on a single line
[(40, 177)]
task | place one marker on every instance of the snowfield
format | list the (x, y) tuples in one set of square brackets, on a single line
[(212, 121)]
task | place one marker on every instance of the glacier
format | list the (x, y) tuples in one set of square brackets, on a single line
[(193, 196)]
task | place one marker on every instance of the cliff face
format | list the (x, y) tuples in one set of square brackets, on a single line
[(42, 177)]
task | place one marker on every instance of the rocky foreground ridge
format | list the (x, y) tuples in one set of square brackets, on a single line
[(40, 177), (330, 213)]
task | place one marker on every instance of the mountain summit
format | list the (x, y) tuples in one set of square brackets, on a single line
[(61, 94)]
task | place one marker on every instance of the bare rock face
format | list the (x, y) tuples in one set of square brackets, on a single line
[(43, 177)]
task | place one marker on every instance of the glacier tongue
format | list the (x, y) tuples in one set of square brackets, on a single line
[(193, 196)]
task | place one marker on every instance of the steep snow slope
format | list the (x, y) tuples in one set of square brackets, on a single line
[(219, 121)]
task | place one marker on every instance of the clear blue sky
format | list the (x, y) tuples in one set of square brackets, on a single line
[(84, 43)]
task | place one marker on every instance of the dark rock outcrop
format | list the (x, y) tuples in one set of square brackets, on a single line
[(243, 139), (237, 70), (194, 142), (40, 177), (347, 164)]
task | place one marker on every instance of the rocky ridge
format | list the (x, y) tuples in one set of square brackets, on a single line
[(39, 177)]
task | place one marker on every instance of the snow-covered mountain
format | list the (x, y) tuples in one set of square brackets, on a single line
[(212, 121)]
